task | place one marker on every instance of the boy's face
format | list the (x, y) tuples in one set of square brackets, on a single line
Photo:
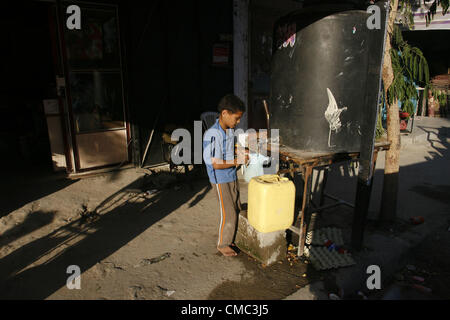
[(231, 119)]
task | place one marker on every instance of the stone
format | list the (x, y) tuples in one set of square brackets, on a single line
[(267, 248)]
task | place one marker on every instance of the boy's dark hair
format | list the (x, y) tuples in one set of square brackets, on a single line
[(231, 103)]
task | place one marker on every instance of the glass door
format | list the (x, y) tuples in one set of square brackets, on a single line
[(95, 88)]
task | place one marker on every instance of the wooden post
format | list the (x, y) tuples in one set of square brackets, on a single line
[(388, 209), (424, 103)]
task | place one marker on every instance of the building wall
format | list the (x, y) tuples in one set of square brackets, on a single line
[(169, 60)]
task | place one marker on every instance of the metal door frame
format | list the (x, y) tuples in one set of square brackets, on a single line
[(70, 129)]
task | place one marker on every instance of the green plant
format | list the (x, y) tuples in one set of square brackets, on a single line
[(442, 98), (410, 68), (379, 132), (409, 64)]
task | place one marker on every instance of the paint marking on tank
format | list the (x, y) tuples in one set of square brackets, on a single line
[(332, 114), (291, 53)]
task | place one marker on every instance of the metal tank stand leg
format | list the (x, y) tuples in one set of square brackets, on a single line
[(307, 176), (363, 194), (324, 184)]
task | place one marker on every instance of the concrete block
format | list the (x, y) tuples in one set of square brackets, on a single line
[(267, 248)]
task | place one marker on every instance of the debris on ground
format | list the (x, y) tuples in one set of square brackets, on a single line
[(362, 295), (150, 192), (320, 236), (409, 278), (292, 258), (417, 278), (158, 180), (160, 258), (114, 265), (410, 267), (170, 292), (136, 292), (87, 216), (421, 288), (166, 291), (325, 249), (417, 220), (333, 296), (323, 259)]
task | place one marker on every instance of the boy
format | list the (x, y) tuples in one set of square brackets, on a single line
[(218, 144)]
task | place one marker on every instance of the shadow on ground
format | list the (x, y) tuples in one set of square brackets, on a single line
[(27, 273), (20, 186), (33, 221)]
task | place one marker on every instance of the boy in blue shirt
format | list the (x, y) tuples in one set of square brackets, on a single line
[(218, 144)]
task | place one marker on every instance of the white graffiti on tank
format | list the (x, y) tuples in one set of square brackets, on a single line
[(332, 115)]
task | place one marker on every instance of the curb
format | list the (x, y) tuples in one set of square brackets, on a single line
[(407, 140), (419, 136), (422, 138)]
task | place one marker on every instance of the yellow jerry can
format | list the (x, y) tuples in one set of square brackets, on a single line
[(271, 201)]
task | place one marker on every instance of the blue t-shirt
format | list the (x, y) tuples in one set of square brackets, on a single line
[(220, 145)]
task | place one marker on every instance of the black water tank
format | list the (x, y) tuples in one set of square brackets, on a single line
[(318, 78)]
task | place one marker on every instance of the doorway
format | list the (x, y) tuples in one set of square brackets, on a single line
[(94, 87), (27, 80), (28, 77)]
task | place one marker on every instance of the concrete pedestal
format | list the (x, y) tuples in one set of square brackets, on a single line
[(267, 248)]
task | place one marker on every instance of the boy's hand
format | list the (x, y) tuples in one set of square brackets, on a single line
[(246, 158)]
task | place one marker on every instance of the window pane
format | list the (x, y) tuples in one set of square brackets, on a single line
[(97, 101), (96, 45)]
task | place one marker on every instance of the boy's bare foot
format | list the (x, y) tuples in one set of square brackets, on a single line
[(227, 251)]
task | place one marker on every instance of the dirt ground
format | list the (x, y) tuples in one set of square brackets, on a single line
[(429, 263), (128, 244), (162, 245)]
